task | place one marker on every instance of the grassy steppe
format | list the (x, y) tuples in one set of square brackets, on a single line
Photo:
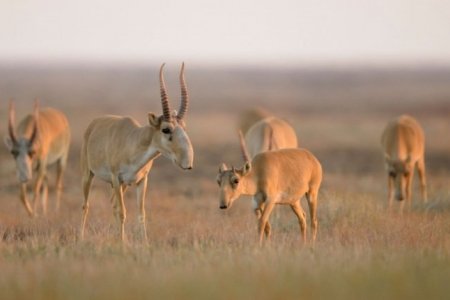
[(195, 250)]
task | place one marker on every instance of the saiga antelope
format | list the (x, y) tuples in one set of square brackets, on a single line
[(120, 151), (403, 143), (41, 139), (270, 134), (274, 177)]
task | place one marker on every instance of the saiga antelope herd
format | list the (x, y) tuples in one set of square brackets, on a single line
[(121, 152)]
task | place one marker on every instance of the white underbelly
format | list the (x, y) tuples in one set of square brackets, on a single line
[(283, 198), (127, 174), (103, 173)]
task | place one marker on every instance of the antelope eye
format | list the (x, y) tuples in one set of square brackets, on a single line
[(235, 180), (14, 152), (218, 181), (166, 131)]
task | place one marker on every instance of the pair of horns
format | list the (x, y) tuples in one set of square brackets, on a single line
[(165, 99), (12, 121)]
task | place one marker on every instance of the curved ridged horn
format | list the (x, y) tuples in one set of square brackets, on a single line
[(184, 95), (12, 121), (244, 150), (35, 123), (164, 97)]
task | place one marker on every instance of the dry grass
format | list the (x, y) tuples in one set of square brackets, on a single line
[(197, 251)]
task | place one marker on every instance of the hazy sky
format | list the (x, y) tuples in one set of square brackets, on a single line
[(229, 31)]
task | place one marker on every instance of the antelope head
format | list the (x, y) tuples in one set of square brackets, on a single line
[(23, 148), (230, 179), (170, 134), (400, 171)]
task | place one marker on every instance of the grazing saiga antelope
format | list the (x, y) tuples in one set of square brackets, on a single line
[(120, 151), (41, 139), (274, 177), (270, 134), (403, 143)]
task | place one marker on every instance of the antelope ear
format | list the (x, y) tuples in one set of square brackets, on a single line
[(223, 168), (8, 142), (153, 120), (247, 168)]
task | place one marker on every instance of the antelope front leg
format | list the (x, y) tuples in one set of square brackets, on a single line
[(118, 190), (23, 198), (140, 197), (423, 179), (390, 192), (86, 185), (408, 191), (268, 228), (258, 207), (37, 186), (61, 166), (263, 221), (115, 203), (44, 196)]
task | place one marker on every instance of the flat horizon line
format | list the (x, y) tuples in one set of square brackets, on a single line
[(225, 65)]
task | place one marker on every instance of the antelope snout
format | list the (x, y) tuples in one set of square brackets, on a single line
[(223, 206), (23, 174), (185, 162), (24, 178)]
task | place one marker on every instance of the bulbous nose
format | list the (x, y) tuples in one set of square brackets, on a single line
[(23, 176), (23, 179)]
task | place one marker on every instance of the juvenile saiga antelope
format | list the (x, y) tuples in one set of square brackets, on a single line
[(275, 177), (120, 151), (270, 134), (41, 139), (403, 143)]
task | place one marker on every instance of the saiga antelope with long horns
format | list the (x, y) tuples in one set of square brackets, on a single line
[(274, 177), (270, 134), (42, 139), (120, 151), (403, 143)]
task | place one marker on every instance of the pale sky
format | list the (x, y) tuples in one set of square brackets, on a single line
[(226, 32)]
